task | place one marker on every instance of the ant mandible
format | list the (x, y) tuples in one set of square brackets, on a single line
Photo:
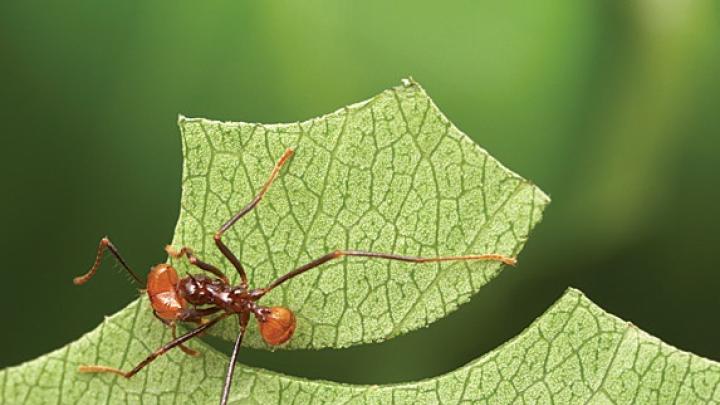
[(195, 297)]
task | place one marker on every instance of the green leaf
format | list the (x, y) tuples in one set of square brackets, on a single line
[(574, 353), (390, 174)]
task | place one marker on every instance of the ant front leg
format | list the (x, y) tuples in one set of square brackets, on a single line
[(252, 204), (196, 262), (188, 315), (154, 355), (173, 327), (105, 244), (185, 349), (389, 256)]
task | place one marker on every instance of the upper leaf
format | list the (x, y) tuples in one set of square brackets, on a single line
[(574, 353), (390, 174)]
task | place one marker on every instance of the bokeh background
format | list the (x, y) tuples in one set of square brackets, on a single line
[(612, 107)]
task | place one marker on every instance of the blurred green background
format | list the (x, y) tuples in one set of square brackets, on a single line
[(610, 106)]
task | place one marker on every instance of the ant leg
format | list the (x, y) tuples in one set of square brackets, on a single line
[(233, 358), (196, 262), (218, 235), (171, 325), (197, 315), (162, 350), (185, 349), (412, 259), (105, 244)]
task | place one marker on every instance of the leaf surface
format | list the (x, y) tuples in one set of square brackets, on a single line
[(574, 353), (390, 174)]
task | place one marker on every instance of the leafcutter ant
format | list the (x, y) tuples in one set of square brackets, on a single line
[(207, 299)]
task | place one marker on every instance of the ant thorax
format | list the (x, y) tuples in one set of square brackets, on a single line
[(200, 290)]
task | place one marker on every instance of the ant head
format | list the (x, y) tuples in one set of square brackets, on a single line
[(277, 325)]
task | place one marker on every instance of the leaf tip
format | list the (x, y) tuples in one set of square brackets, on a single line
[(408, 81), (574, 292)]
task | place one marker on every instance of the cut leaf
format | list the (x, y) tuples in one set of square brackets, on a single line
[(574, 353), (390, 174)]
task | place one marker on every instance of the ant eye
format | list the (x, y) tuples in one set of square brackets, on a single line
[(279, 325)]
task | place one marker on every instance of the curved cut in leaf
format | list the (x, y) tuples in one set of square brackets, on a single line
[(574, 353), (390, 174)]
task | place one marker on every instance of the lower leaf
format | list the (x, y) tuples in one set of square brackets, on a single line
[(573, 353)]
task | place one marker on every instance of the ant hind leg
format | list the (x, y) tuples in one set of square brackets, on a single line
[(388, 256), (233, 358)]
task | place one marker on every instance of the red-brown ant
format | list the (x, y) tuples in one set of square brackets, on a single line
[(195, 297)]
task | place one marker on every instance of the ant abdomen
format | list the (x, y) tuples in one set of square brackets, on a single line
[(278, 325), (162, 289)]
